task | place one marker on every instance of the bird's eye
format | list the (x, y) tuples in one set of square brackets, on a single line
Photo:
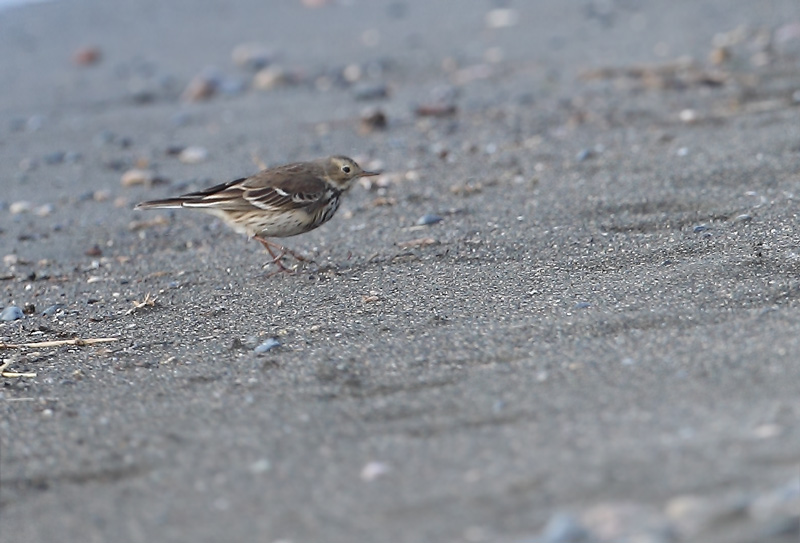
[(346, 169)]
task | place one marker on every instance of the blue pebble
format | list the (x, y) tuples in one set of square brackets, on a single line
[(56, 157), (428, 219), (268, 345), (72, 157), (564, 528), (230, 86), (700, 228), (367, 91), (11, 313), (52, 309)]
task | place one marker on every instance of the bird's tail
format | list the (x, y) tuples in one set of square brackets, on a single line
[(169, 203)]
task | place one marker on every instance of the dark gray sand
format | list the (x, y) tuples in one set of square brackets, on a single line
[(599, 341)]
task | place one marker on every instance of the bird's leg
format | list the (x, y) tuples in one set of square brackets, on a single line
[(294, 255), (284, 250), (276, 259)]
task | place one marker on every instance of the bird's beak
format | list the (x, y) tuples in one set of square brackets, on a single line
[(369, 174)]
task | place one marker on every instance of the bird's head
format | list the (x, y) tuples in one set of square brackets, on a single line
[(342, 171)]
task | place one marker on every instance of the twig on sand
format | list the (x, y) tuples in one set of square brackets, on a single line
[(148, 301), (58, 343), (12, 374)]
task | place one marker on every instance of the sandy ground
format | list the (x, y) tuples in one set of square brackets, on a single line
[(597, 342)]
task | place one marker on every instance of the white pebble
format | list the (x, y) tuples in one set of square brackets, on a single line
[(251, 56), (193, 155), (137, 177), (501, 18), (19, 207), (373, 470), (44, 210), (260, 466), (270, 78)]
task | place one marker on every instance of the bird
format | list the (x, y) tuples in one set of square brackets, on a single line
[(277, 202)]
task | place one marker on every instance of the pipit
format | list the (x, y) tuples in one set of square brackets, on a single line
[(277, 202)]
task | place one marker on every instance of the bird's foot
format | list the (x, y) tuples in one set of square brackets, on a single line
[(277, 256)]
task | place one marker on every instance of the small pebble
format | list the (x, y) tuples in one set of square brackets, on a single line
[(271, 78), (428, 219), (137, 177), (719, 55), (106, 137), (268, 345), (34, 123), (700, 228), (742, 218), (584, 154), (44, 210), (582, 305), (56, 157), (694, 515), (86, 56), (688, 116), (71, 157), (252, 56), (27, 164), (370, 91), (372, 120), (52, 310), (101, 195), (202, 87), (373, 470), (564, 528), (94, 250), (193, 155), (231, 86), (142, 93), (260, 466), (501, 18), (174, 150), (352, 73), (11, 313), (19, 207)]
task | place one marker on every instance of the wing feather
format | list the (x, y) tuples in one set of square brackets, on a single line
[(288, 187)]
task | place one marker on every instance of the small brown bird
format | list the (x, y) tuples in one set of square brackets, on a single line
[(277, 202)]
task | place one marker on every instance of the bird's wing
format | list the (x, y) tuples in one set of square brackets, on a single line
[(284, 189), (276, 189)]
